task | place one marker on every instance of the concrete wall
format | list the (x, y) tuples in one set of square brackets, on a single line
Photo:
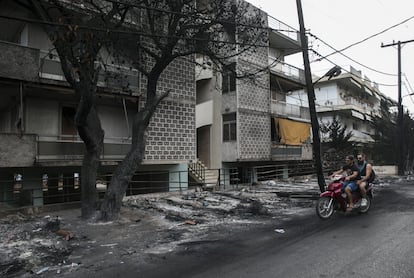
[(386, 170), (16, 150), (172, 130), (114, 122), (42, 117), (204, 112), (18, 62)]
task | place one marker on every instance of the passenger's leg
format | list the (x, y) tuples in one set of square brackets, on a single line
[(348, 192)]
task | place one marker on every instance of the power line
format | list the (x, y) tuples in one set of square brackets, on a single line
[(219, 21), (195, 39), (370, 37), (124, 32), (115, 31), (408, 82), (360, 77), (353, 60), (409, 88)]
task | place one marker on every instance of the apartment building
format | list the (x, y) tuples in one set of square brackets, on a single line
[(40, 150), (350, 97), (248, 124)]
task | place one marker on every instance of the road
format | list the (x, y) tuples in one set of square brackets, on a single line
[(377, 244)]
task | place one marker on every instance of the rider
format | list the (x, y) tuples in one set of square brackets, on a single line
[(367, 176), (352, 177)]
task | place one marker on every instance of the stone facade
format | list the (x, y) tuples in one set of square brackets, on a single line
[(172, 132), (16, 150), (18, 62), (254, 108)]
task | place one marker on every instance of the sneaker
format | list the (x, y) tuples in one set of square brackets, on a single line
[(364, 202)]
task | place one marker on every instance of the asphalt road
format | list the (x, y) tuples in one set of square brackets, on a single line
[(377, 244)]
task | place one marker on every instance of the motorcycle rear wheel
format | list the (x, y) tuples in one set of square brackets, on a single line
[(324, 207), (365, 209)]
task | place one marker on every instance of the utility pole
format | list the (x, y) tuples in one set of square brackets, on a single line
[(400, 124), (311, 98)]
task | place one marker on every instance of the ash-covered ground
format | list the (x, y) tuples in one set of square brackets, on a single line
[(151, 226)]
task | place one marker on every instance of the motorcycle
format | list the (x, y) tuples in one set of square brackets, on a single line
[(334, 199)]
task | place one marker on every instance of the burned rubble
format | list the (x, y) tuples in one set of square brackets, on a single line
[(150, 226), (28, 243)]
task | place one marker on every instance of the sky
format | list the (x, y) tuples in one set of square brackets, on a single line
[(341, 23)]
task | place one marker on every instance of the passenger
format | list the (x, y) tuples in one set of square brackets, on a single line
[(367, 176)]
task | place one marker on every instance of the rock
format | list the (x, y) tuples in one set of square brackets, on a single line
[(52, 225)]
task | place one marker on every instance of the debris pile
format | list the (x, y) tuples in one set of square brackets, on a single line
[(162, 222), (30, 245)]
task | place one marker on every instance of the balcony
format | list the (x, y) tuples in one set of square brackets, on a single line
[(30, 149), (283, 36), (30, 64), (281, 108), (287, 71), (204, 68), (285, 152), (18, 62), (114, 77), (347, 103), (63, 151)]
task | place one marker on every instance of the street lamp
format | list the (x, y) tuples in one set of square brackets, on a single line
[(333, 72)]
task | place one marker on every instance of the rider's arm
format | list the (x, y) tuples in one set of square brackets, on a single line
[(353, 176), (340, 171), (367, 173)]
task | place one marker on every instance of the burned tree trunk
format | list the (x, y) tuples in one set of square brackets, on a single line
[(92, 135), (112, 202), (111, 206)]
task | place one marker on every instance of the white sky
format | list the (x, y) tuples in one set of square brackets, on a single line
[(342, 23)]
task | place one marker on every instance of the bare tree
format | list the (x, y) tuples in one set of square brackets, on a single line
[(149, 35), (172, 30), (75, 29)]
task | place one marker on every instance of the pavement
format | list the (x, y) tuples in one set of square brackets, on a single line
[(50, 243)]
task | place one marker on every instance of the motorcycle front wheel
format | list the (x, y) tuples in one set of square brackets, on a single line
[(325, 207)]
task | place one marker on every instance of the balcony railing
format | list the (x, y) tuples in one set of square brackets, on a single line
[(285, 152), (26, 63), (287, 70), (283, 28), (345, 103), (204, 68), (290, 110), (112, 76), (62, 149)]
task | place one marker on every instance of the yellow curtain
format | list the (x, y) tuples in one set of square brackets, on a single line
[(292, 132)]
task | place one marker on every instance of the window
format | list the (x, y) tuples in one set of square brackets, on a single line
[(229, 78), (229, 127), (68, 121), (355, 126), (275, 136)]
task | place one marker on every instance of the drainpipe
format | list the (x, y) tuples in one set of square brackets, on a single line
[(126, 117), (21, 118)]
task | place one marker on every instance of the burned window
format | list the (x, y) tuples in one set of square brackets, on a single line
[(68, 121), (229, 127), (229, 78)]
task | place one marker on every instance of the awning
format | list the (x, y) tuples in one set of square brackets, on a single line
[(292, 132), (358, 115)]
